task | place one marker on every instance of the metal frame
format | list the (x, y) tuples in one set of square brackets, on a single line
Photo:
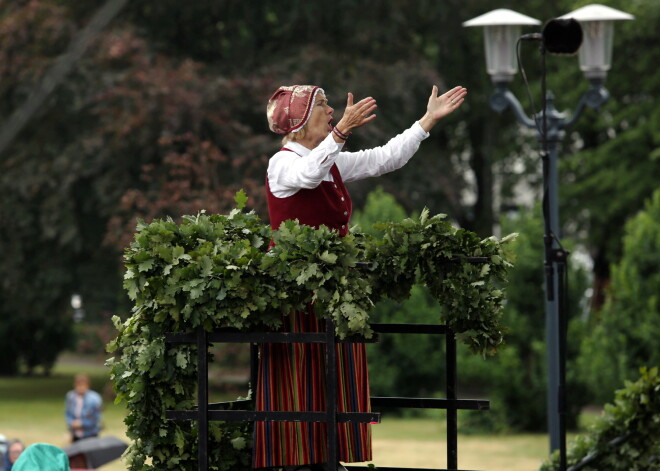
[(206, 412)]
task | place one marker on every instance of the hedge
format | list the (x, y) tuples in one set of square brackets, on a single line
[(627, 435)]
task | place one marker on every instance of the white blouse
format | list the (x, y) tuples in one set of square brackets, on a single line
[(289, 172)]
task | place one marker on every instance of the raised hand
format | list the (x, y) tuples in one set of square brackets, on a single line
[(440, 106), (358, 114)]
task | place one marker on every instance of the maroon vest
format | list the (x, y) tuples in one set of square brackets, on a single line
[(328, 204)]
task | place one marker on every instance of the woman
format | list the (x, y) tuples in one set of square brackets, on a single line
[(305, 181), (14, 450)]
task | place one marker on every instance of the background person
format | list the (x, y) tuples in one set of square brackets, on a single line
[(83, 409), (3, 450), (14, 450), (42, 457), (305, 181)]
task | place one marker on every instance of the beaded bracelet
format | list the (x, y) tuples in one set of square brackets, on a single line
[(340, 134)]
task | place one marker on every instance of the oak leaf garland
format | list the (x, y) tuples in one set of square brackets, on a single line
[(218, 271)]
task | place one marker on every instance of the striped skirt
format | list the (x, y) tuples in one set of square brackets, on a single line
[(292, 378)]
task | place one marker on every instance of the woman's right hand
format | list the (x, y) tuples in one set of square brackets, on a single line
[(356, 115)]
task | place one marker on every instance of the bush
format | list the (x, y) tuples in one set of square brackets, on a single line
[(625, 335), (626, 437)]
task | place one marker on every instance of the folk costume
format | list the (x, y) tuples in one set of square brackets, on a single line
[(308, 185)]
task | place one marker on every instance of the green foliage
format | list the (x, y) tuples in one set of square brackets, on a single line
[(613, 167), (627, 436), (394, 362), (626, 334), (438, 250), (379, 206), (515, 379), (217, 270), (184, 273)]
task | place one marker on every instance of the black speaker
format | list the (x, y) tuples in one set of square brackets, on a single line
[(562, 36)]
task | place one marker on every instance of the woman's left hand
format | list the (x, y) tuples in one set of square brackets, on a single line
[(440, 106)]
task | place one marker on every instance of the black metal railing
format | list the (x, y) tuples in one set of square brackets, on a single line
[(236, 410)]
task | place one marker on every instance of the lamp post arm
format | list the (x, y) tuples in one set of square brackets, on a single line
[(503, 98), (594, 98)]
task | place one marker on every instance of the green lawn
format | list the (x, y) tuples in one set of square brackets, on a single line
[(32, 409)]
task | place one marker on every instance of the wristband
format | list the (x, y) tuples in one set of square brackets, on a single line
[(340, 134)]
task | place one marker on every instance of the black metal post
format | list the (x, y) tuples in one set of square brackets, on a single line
[(452, 413), (331, 395), (202, 399), (549, 139), (254, 367), (563, 324)]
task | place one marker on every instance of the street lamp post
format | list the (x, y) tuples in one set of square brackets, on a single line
[(502, 31)]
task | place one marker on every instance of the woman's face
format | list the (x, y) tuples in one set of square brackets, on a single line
[(319, 124), (15, 449)]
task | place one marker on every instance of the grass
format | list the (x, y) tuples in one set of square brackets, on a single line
[(32, 409), (422, 443)]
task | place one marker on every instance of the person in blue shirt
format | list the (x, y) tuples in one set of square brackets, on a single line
[(83, 409)]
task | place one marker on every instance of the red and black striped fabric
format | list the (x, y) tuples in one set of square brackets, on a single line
[(292, 378)]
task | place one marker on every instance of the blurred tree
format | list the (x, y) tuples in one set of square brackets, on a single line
[(614, 162), (626, 338), (36, 213), (379, 207), (130, 134), (347, 47), (516, 378), (166, 117)]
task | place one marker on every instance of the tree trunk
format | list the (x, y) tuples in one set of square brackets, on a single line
[(601, 281)]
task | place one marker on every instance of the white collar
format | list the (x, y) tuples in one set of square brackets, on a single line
[(299, 149)]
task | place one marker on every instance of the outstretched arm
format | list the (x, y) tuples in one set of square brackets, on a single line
[(440, 106)]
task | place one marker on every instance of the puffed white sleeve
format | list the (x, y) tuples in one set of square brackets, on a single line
[(289, 172), (384, 159)]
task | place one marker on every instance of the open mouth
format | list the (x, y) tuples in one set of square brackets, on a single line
[(330, 125)]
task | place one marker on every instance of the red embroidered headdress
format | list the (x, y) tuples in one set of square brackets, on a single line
[(290, 107)]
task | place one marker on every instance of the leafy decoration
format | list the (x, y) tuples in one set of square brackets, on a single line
[(626, 436), (218, 271), (440, 253)]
